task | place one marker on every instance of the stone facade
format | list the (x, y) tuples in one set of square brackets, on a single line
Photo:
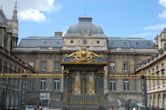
[(155, 67), (46, 55), (34, 91), (10, 88), (123, 56)]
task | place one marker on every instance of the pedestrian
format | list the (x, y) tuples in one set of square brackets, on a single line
[(134, 108), (40, 108)]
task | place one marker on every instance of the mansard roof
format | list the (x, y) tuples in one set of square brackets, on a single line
[(41, 42), (127, 43), (112, 42)]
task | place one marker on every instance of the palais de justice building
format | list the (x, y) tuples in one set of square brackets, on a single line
[(87, 59)]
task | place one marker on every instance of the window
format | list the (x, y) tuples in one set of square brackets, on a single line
[(45, 42), (112, 66), (112, 85), (126, 85), (10, 68), (56, 66), (1, 66), (138, 65), (162, 65), (42, 84), (98, 42), (162, 71), (125, 66), (56, 84), (43, 66), (71, 41), (153, 70), (5, 67), (85, 41), (15, 69), (19, 70)]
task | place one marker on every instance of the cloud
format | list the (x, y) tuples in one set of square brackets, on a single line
[(162, 15), (162, 3), (27, 8), (32, 15), (155, 27), (148, 31)]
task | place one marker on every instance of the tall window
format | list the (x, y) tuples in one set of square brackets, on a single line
[(1, 66), (112, 85), (112, 66), (163, 73), (5, 67), (125, 66), (56, 84), (42, 84), (126, 85), (43, 66), (56, 66), (10, 68), (15, 69)]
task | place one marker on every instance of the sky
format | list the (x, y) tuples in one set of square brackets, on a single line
[(118, 18)]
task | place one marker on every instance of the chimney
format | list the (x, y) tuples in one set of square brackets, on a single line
[(58, 34)]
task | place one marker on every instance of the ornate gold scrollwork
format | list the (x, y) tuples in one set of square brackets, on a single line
[(76, 86), (91, 86), (83, 55)]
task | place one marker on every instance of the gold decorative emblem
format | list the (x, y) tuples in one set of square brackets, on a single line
[(83, 55)]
